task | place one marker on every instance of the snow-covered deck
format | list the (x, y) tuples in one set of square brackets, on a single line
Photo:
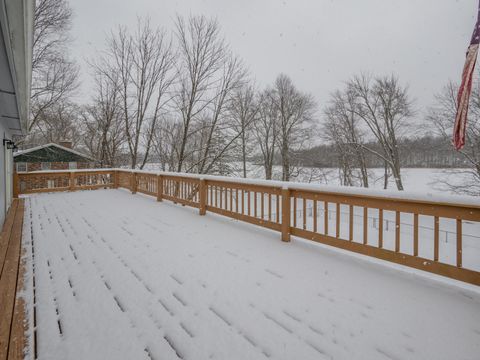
[(125, 277)]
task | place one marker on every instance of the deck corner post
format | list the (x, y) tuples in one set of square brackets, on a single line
[(115, 179), (159, 187), (133, 184), (203, 197), (285, 214), (16, 185), (72, 181)]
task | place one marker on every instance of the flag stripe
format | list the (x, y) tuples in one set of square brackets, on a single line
[(465, 89)]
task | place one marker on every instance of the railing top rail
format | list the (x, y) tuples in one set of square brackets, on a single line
[(337, 191), (394, 195), (66, 171)]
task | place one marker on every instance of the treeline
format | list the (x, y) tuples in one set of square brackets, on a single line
[(422, 152), (180, 98)]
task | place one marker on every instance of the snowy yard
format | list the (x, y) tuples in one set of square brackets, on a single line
[(124, 277)]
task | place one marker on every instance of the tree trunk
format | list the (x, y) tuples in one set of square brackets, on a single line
[(285, 162), (244, 153), (397, 177), (385, 176)]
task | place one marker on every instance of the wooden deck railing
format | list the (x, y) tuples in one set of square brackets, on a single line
[(404, 231)]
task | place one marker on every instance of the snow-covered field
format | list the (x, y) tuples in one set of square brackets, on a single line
[(124, 277), (421, 180)]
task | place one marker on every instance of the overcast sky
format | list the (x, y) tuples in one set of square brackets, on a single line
[(318, 43)]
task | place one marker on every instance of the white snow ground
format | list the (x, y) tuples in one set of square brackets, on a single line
[(124, 277)]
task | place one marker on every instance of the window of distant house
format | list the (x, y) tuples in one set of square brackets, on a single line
[(21, 166), (46, 166), (72, 165)]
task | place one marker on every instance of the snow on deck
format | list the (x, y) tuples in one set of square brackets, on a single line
[(124, 277)]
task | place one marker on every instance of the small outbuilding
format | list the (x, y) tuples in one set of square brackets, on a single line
[(52, 157)]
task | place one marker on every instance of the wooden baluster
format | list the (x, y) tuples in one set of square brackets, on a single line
[(72, 181), (159, 187), (115, 175), (231, 199), (175, 189), (262, 205), (220, 196), (134, 183), (337, 220), (236, 200), (459, 242), (380, 228), (325, 217), (255, 203), (315, 215), (294, 211), (285, 214), (277, 205), (243, 201), (203, 188), (304, 214), (365, 225), (350, 223), (226, 198), (397, 231), (269, 207), (415, 234), (249, 203), (436, 238)]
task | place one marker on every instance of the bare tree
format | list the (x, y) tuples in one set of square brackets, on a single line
[(442, 116), (342, 129), (295, 112), (384, 106), (243, 111), (143, 62), (57, 123), (54, 75), (104, 132), (165, 144), (202, 54), (219, 137), (266, 132)]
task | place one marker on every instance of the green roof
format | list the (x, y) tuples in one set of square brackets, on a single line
[(50, 153)]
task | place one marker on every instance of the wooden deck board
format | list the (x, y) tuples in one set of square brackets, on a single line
[(12, 309)]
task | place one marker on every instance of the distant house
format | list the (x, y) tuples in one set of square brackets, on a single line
[(52, 157)]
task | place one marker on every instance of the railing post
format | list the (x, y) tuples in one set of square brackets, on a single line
[(203, 196), (72, 181), (285, 214), (159, 187), (115, 179), (133, 185), (16, 185)]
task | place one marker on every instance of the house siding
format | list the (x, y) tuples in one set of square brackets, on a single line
[(3, 191), (56, 165), (57, 158)]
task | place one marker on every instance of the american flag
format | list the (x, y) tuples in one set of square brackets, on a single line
[(466, 87)]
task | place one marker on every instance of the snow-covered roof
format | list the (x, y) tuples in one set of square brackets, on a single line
[(26, 151)]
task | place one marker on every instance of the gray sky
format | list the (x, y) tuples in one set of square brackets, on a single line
[(319, 43)]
